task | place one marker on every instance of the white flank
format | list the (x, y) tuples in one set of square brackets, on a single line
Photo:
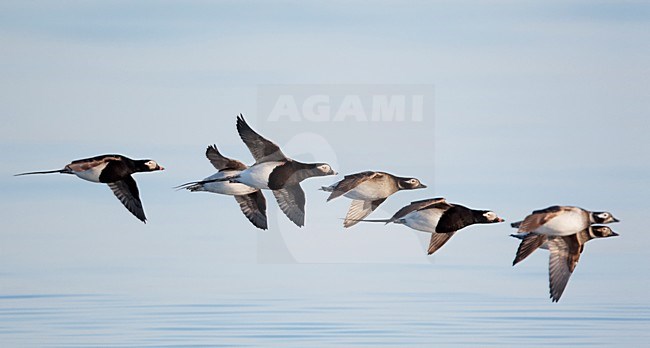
[(226, 187), (565, 224), (423, 220), (91, 174), (257, 176)]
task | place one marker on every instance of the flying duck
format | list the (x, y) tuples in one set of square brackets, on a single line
[(368, 190), (115, 171), (251, 200), (439, 218), (561, 220), (276, 172), (564, 254)]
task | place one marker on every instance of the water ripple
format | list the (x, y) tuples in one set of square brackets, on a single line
[(375, 319)]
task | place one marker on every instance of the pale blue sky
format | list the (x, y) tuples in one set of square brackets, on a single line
[(536, 103)]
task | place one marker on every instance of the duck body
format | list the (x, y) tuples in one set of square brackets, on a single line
[(423, 220), (554, 221), (213, 184), (368, 190), (258, 175), (561, 220)]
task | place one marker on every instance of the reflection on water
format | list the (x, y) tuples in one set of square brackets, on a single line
[(376, 319)]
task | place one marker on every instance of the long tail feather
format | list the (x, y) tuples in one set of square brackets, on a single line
[(59, 171), (370, 220), (516, 224), (186, 185)]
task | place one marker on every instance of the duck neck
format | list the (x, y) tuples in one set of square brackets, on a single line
[(591, 218), (301, 171), (289, 173), (139, 166)]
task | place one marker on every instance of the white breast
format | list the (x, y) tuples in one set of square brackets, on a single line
[(226, 187), (91, 174), (369, 191), (423, 220), (257, 176), (565, 224)]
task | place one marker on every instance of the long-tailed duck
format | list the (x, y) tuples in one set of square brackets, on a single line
[(115, 171), (439, 218), (368, 190), (251, 200), (276, 172)]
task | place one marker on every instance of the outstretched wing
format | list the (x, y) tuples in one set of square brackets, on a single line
[(351, 181), (220, 162), (420, 205), (438, 240), (263, 150), (126, 190), (529, 243), (564, 255), (291, 200), (360, 209), (253, 205)]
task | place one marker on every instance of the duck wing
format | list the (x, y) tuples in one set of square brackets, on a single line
[(351, 181), (253, 205), (263, 150), (438, 240), (126, 190), (291, 199), (221, 162)]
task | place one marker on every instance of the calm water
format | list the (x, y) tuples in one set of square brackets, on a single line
[(309, 313)]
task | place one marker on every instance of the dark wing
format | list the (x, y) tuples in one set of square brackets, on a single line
[(126, 190), (438, 240), (351, 181), (551, 209), (262, 149), (291, 200), (575, 249), (253, 205), (220, 162), (538, 218), (529, 243), (87, 163), (420, 205), (360, 209), (564, 255)]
